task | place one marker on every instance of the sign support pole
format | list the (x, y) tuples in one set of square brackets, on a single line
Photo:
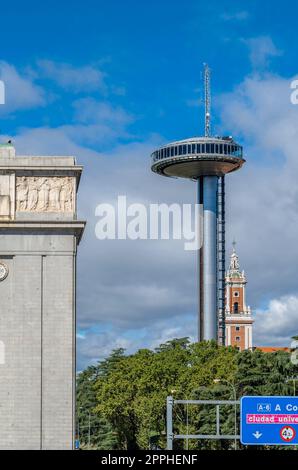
[(169, 423)]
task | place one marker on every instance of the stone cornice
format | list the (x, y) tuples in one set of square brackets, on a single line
[(74, 226)]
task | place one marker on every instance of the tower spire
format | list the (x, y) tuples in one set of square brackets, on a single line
[(234, 261), (207, 76)]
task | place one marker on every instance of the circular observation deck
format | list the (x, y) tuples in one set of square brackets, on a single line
[(198, 156)]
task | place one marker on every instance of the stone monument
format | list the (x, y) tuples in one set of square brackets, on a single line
[(39, 235)]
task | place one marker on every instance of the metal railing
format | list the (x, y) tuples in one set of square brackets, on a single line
[(210, 149), (217, 403)]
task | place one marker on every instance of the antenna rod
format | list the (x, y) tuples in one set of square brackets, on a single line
[(207, 74)]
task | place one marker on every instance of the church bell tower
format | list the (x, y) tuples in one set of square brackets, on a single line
[(238, 318)]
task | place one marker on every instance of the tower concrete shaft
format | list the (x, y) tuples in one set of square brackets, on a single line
[(207, 272)]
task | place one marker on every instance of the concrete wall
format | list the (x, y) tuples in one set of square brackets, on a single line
[(37, 328)]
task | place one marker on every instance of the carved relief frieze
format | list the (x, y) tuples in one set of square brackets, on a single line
[(45, 194)]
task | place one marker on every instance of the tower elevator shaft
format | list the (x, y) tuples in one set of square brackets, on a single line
[(211, 258)]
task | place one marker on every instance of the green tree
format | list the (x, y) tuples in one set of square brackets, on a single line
[(127, 393), (90, 424)]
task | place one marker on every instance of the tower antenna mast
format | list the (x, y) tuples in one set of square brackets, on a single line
[(207, 76)]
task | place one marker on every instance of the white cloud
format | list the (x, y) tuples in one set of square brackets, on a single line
[(92, 111), (93, 123), (94, 346), (75, 79), (151, 286), (134, 282), (262, 49), (175, 328), (276, 325), (49, 141), (237, 16), (262, 198), (20, 90)]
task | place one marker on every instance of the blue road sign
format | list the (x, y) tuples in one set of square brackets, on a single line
[(269, 420)]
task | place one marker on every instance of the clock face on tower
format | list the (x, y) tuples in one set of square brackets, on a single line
[(3, 271)]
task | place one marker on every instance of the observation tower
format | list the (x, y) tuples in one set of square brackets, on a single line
[(206, 160)]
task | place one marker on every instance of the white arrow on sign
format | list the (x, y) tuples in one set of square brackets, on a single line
[(257, 434)]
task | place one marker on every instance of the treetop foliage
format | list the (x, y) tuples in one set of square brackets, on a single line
[(124, 396)]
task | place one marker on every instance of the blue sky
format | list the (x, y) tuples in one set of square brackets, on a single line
[(154, 50), (109, 81)]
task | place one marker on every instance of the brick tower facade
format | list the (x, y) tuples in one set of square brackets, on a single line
[(238, 316)]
